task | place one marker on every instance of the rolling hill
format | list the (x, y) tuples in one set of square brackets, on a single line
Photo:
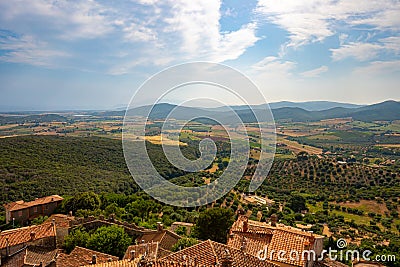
[(385, 111)]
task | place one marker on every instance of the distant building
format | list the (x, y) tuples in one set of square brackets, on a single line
[(256, 200), (23, 212)]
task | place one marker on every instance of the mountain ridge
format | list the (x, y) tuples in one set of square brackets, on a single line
[(385, 111)]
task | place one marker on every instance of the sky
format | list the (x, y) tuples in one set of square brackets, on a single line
[(95, 54)]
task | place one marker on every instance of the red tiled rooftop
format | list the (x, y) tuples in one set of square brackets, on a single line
[(61, 220), (152, 251), (35, 255), (31, 256), (82, 256), (19, 205), (23, 235), (166, 238), (210, 253), (252, 237)]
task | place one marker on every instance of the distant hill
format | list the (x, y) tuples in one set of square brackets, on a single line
[(32, 118), (313, 105), (386, 111), (308, 106)]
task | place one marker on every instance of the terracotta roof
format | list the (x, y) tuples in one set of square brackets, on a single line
[(249, 243), (35, 255), (82, 256), (252, 226), (166, 238), (61, 220), (31, 256), (206, 254), (152, 251), (23, 235), (210, 253), (20, 205), (252, 237), (329, 263), (15, 261), (289, 241), (122, 263)]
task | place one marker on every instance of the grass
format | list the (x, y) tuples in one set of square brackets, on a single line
[(347, 216), (367, 206)]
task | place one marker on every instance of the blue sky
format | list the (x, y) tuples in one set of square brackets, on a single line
[(95, 54)]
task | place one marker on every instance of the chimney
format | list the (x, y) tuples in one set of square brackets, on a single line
[(94, 259), (70, 213), (274, 220), (241, 211), (160, 226), (246, 225), (227, 260), (32, 235)]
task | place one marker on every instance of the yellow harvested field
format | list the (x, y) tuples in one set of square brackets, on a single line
[(296, 147), (158, 140), (8, 126), (389, 145), (213, 169), (294, 133)]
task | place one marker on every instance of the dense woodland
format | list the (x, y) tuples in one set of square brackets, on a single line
[(91, 174)]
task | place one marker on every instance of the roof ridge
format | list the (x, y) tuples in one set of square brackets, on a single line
[(91, 250), (213, 250), (10, 231), (172, 233)]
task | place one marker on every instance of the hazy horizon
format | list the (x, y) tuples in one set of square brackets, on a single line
[(4, 108)]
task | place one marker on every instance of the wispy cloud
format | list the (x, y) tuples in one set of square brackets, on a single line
[(315, 72), (159, 31), (25, 49), (363, 51), (378, 68), (309, 21), (359, 51)]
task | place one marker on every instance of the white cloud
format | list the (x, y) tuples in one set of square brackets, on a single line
[(366, 51), (272, 71), (310, 21), (26, 49), (378, 67), (72, 19), (196, 24), (159, 31), (315, 72), (359, 51), (392, 44)]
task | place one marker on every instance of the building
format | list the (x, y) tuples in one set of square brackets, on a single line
[(28, 246), (256, 200), (152, 251), (205, 254), (23, 212), (165, 238), (82, 256), (265, 240)]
